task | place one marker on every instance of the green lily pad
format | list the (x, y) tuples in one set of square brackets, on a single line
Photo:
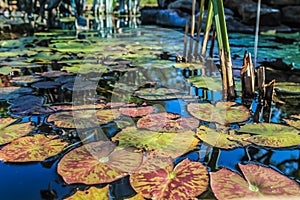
[(85, 68), (154, 180), (271, 135), (6, 70), (222, 112), (158, 93), (7, 93), (12, 132), (211, 83), (137, 111), (91, 193), (98, 162), (83, 118), (258, 183), (167, 122), (55, 74), (169, 144), (32, 148), (184, 65), (287, 87), (221, 139)]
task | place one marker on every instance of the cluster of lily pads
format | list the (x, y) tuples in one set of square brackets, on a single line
[(143, 147)]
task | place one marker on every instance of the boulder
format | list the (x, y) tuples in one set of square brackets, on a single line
[(183, 5), (291, 15), (281, 2), (268, 16)]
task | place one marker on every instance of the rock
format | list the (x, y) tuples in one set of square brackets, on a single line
[(235, 4), (149, 15), (281, 2), (170, 18), (268, 16), (183, 5), (291, 15)]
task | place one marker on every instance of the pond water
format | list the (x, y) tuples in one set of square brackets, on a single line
[(112, 70)]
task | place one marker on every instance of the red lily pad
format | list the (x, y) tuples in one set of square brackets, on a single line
[(270, 135), (222, 112), (137, 111), (168, 144), (159, 93), (91, 193), (98, 162), (167, 122), (12, 132), (158, 179), (32, 148), (258, 183), (83, 118)]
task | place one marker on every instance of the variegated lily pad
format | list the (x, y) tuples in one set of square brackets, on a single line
[(270, 135), (158, 93), (137, 111), (158, 179), (222, 112), (12, 132), (167, 122), (258, 183), (32, 148), (295, 123), (220, 139), (91, 193), (83, 118), (169, 144), (98, 162), (24, 80)]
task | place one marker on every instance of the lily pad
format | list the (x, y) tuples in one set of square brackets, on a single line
[(91, 193), (7, 93), (98, 162), (167, 122), (211, 83), (83, 118), (271, 135), (158, 93), (55, 74), (287, 87), (220, 139), (85, 68), (222, 112), (24, 80), (258, 183), (169, 144), (32, 148), (33, 103), (189, 65), (295, 123), (12, 132), (6, 70), (154, 181), (137, 111), (45, 85)]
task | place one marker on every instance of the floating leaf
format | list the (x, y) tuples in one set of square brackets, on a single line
[(287, 87), (268, 129), (24, 80), (91, 193), (55, 74), (169, 144), (219, 139), (222, 112), (184, 65), (83, 118), (6, 70), (158, 93), (295, 123), (33, 104), (137, 111), (7, 93), (45, 85), (258, 183), (85, 68), (9, 133), (211, 83), (167, 122), (162, 181), (31, 148), (98, 162)]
